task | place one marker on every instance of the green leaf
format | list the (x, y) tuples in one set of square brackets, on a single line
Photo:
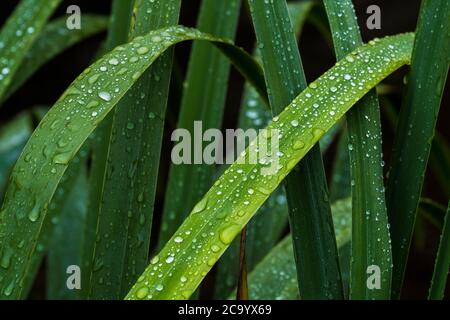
[(17, 133), (263, 232), (440, 161), (203, 100), (228, 206), (432, 211), (121, 15), (442, 265), (370, 238), (415, 130), (52, 221), (13, 137), (299, 13), (18, 34), (126, 211), (340, 179), (309, 215), (54, 39), (440, 150), (275, 277), (64, 247), (63, 131), (265, 229)]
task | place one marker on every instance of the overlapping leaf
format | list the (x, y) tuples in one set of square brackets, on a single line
[(228, 206), (63, 131)]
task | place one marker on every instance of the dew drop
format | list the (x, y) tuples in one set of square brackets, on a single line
[(298, 145), (170, 259), (93, 78), (156, 39), (211, 261), (122, 71), (291, 164), (28, 157), (155, 260), (142, 50), (92, 104), (349, 58), (142, 292), (9, 289), (62, 158), (264, 190), (317, 133), (200, 206), (104, 96), (71, 91), (227, 234), (113, 61), (33, 215), (5, 262), (62, 143), (136, 75)]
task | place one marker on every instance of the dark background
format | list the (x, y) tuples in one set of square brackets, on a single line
[(396, 16)]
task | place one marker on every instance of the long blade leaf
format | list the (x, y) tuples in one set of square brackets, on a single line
[(63, 131), (126, 212), (228, 206), (370, 235), (203, 100), (18, 34), (65, 243), (275, 277), (54, 39), (439, 153), (415, 130), (264, 230), (13, 137), (309, 216), (118, 32), (442, 265)]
